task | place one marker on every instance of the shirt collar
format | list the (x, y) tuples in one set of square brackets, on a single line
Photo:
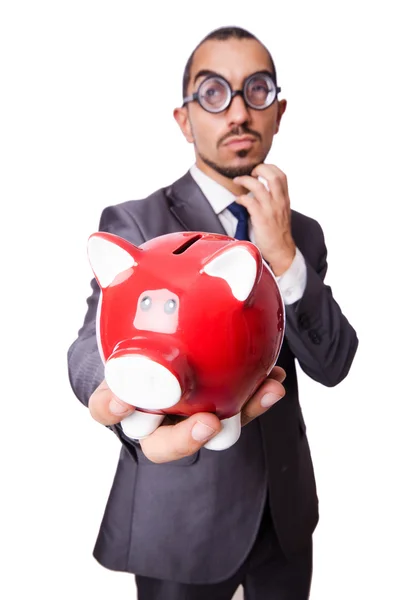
[(217, 195)]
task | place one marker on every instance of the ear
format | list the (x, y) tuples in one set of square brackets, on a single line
[(281, 108), (239, 265), (181, 116), (110, 255)]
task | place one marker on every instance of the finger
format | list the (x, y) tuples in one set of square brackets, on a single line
[(268, 171), (257, 210), (255, 186), (270, 392), (276, 179), (172, 442), (106, 408), (278, 374), (250, 203)]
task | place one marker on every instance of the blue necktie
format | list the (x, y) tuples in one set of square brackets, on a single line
[(241, 214)]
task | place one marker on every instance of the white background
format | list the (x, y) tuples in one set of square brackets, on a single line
[(87, 95)]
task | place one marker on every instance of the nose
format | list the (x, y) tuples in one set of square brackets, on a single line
[(142, 382), (148, 374), (238, 112)]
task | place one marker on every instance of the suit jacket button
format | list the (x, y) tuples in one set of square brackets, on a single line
[(303, 321), (315, 337)]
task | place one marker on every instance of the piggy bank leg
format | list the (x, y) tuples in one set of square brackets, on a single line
[(141, 424), (229, 434)]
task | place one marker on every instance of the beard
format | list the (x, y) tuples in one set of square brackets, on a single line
[(231, 172)]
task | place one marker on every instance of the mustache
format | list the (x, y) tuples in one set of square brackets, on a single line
[(239, 131)]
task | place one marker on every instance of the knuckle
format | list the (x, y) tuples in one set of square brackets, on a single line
[(181, 451), (247, 416), (187, 447)]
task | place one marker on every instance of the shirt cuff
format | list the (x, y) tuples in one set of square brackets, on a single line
[(292, 283)]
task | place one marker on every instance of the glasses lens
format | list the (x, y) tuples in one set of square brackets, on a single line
[(260, 90), (214, 94)]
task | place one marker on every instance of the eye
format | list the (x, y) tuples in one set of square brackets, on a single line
[(170, 306), (146, 303), (260, 87), (213, 92)]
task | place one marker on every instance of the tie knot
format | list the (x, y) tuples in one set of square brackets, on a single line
[(240, 212)]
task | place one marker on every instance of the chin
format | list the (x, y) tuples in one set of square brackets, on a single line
[(236, 170), (241, 164), (245, 159)]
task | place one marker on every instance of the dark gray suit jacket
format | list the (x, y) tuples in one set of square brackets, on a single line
[(196, 519)]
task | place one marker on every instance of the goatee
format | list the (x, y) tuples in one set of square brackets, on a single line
[(231, 172)]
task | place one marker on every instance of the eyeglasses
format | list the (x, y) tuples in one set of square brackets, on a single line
[(214, 93)]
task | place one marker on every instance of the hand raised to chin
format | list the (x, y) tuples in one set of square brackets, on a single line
[(270, 212)]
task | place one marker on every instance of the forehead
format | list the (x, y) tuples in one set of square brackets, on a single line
[(233, 59)]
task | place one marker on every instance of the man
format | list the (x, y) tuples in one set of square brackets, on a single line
[(192, 523)]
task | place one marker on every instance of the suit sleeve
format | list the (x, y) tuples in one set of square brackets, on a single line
[(318, 334), (85, 367)]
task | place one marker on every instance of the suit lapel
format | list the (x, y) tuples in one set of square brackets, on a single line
[(191, 208)]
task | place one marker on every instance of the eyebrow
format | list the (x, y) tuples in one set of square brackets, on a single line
[(209, 73), (206, 73)]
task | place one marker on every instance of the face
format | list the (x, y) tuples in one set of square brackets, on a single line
[(232, 142)]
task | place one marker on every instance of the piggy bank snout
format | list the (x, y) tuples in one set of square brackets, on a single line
[(148, 378)]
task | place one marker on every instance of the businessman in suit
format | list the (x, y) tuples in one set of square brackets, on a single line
[(189, 522)]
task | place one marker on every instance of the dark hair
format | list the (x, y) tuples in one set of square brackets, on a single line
[(222, 33)]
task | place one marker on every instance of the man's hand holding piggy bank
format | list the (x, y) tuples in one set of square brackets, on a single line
[(189, 328), (182, 439)]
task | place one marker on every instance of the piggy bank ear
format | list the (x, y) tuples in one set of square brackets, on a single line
[(239, 265), (110, 255)]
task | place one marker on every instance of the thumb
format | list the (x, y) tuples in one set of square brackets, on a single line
[(172, 442)]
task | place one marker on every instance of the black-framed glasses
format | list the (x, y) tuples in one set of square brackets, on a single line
[(215, 94)]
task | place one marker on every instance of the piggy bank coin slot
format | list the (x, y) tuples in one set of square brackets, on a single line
[(187, 244)]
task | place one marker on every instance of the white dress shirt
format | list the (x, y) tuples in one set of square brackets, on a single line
[(292, 283)]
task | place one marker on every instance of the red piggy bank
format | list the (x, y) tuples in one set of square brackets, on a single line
[(187, 322)]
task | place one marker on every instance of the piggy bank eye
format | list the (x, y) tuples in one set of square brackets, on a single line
[(146, 303), (170, 307)]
